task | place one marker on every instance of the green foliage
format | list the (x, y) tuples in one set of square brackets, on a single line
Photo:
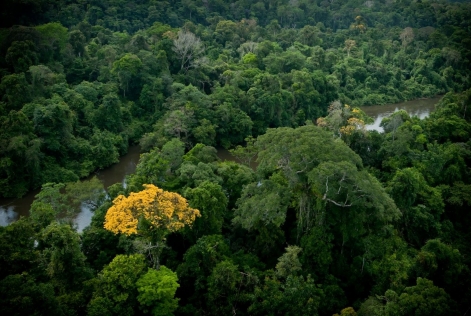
[(296, 296), (201, 153), (108, 116), (264, 203), (21, 55), (421, 299), (425, 298), (284, 75), (223, 287), (59, 199), (62, 256), (116, 290), (89, 193), (245, 154), (421, 205), (330, 173), (157, 290), (104, 151), (383, 215), (349, 311), (23, 295), (126, 69), (15, 91), (197, 265), (17, 250), (20, 154), (442, 263), (317, 250), (159, 166), (53, 34), (210, 200), (289, 264)]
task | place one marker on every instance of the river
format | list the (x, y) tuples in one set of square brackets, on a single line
[(420, 108), (225, 155), (12, 209)]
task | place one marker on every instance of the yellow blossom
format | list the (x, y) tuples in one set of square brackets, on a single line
[(163, 209)]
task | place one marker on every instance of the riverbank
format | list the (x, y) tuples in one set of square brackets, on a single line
[(11, 209), (419, 107)]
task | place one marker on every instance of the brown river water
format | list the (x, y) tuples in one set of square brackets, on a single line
[(12, 209), (420, 108)]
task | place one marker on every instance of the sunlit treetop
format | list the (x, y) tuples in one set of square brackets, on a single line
[(359, 24), (344, 120), (162, 209)]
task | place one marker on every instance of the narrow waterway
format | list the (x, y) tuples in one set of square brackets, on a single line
[(420, 108), (225, 155), (12, 209)]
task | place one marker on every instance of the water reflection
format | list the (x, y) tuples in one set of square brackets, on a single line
[(8, 215), (419, 108), (11, 209), (115, 174), (84, 218), (225, 155)]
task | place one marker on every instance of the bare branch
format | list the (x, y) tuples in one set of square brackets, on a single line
[(337, 203), (188, 48)]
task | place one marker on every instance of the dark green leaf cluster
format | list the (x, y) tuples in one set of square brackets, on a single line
[(318, 220)]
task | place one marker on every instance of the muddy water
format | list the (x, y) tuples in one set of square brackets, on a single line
[(12, 209), (419, 108), (225, 155)]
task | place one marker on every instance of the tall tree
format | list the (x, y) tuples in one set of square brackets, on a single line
[(157, 290), (126, 69), (188, 48), (115, 288), (154, 213)]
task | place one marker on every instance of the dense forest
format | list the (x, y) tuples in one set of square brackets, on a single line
[(331, 219)]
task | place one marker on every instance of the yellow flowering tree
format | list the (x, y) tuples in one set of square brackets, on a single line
[(359, 24), (344, 121), (151, 213)]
